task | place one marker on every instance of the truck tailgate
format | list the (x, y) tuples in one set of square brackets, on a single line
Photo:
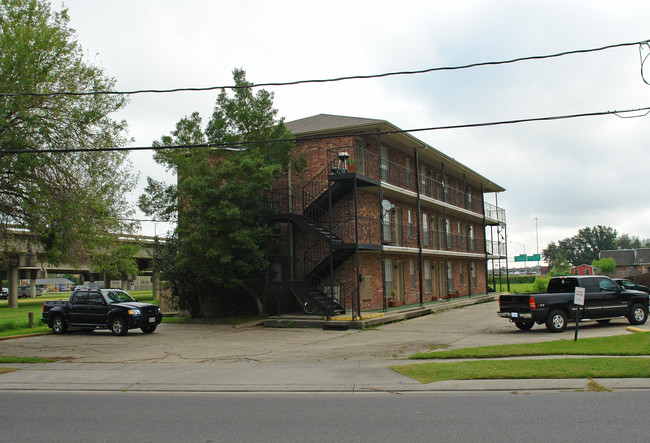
[(514, 302)]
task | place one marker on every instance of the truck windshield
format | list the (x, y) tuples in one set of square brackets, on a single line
[(118, 297)]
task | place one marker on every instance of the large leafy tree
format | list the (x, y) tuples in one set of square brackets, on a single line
[(218, 246), (627, 241), (582, 248), (73, 199)]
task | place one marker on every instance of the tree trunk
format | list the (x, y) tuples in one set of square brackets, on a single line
[(258, 301)]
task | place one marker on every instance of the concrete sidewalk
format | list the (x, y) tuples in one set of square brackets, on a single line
[(375, 376)]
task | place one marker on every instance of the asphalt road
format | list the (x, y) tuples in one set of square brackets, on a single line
[(377, 417)]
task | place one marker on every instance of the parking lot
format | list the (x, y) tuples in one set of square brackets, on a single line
[(475, 325)]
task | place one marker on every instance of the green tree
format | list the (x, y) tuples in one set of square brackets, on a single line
[(627, 241), (220, 236), (605, 265), (74, 200), (583, 247)]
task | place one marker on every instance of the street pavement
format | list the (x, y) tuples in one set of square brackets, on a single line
[(217, 358)]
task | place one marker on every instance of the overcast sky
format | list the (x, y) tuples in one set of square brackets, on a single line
[(566, 174)]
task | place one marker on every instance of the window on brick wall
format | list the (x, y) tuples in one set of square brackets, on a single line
[(409, 215), (427, 277), (388, 271), (409, 173), (386, 225), (461, 273), (445, 187), (448, 242), (425, 230), (450, 276), (412, 273), (424, 188), (472, 243), (474, 279), (385, 168), (360, 156)]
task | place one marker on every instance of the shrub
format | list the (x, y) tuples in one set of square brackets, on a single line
[(540, 284)]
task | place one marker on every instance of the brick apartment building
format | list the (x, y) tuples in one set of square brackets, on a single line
[(378, 218)]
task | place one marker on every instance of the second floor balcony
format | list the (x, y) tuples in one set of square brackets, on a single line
[(367, 163)]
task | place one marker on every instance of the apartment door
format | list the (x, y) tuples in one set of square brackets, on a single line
[(439, 280), (398, 277)]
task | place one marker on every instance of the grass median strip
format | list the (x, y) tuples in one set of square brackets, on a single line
[(623, 345), (6, 359), (624, 367)]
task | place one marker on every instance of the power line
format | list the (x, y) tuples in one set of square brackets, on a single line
[(336, 79), (237, 147)]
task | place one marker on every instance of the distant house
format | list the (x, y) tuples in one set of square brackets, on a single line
[(55, 284), (583, 270), (629, 261)]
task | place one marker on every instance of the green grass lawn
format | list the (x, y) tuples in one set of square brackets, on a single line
[(518, 288), (624, 367), (601, 367), (626, 345)]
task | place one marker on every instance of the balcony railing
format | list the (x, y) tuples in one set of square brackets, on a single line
[(368, 163)]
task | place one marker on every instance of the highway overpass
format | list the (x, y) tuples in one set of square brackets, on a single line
[(22, 257)]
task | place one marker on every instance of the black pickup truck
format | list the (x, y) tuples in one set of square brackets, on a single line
[(604, 300), (92, 309)]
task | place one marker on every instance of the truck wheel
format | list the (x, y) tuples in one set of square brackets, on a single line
[(148, 329), (59, 326), (638, 314), (119, 326), (556, 321), (524, 325)]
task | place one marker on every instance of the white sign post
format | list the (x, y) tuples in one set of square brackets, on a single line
[(578, 300)]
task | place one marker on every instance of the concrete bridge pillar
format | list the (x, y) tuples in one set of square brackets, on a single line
[(33, 275), (13, 287), (155, 284)]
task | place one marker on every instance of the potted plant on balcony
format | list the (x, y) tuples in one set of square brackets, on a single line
[(352, 165)]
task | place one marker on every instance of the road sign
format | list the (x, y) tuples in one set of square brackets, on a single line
[(579, 297), (524, 257)]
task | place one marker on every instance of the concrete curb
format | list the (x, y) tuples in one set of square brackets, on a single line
[(636, 329)]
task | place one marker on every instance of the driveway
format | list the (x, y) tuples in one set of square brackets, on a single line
[(470, 326)]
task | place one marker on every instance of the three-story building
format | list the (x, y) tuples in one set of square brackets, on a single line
[(378, 218)]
